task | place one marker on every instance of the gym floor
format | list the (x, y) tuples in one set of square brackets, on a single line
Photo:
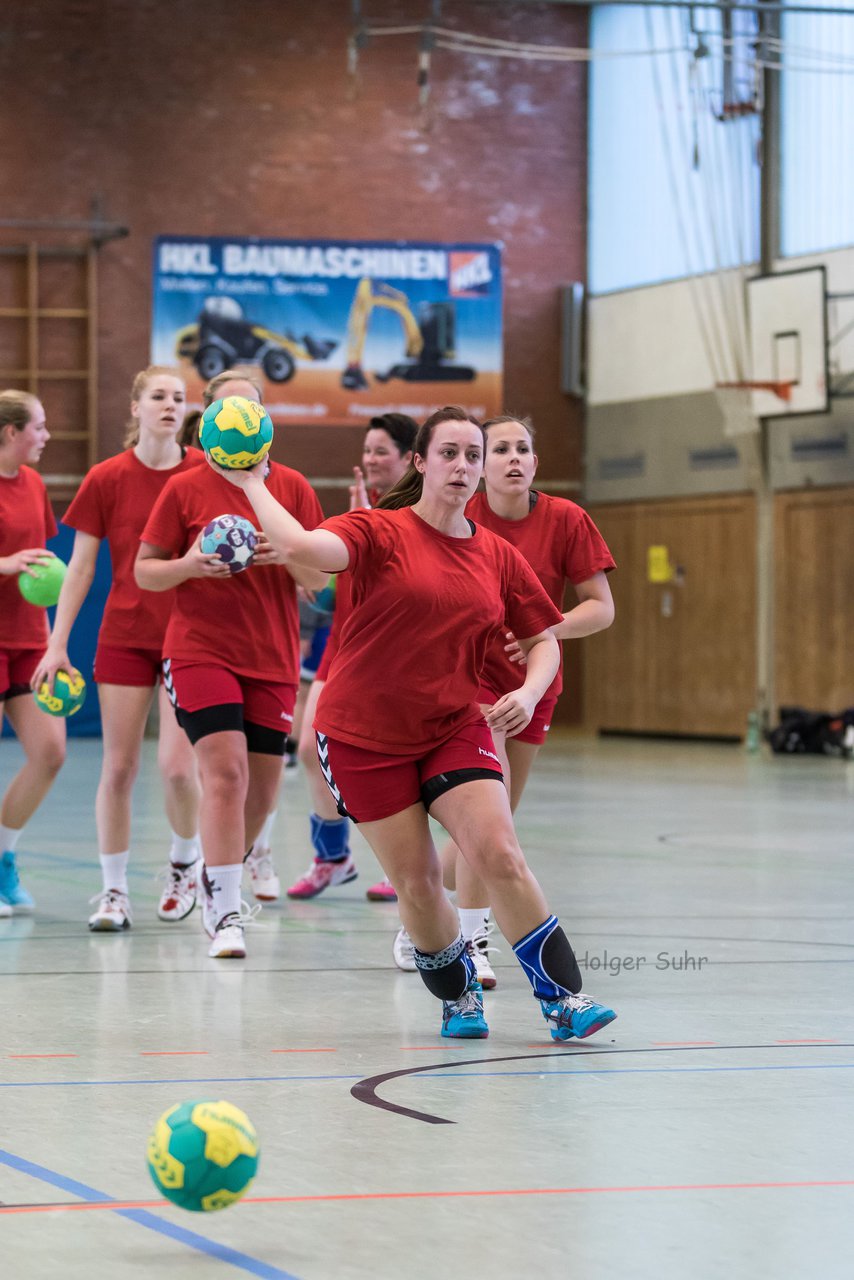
[(706, 1133)]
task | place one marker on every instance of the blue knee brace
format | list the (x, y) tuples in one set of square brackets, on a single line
[(330, 838)]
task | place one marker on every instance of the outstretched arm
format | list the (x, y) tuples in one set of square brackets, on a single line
[(594, 611), (312, 548), (77, 581)]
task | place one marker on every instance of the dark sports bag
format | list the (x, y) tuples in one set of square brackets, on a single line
[(802, 732)]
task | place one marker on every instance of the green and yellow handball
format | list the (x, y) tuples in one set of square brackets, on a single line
[(236, 432), (69, 694), (203, 1155)]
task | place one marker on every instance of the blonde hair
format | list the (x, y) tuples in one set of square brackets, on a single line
[(503, 418), (16, 409), (139, 384), (240, 373)]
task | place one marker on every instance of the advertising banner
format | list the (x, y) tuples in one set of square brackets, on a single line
[(337, 330)]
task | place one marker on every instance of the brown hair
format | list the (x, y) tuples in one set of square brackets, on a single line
[(399, 427), (138, 385), (16, 409), (502, 418), (240, 373), (408, 489)]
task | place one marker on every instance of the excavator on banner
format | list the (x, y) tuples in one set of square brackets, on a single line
[(429, 339), (223, 336)]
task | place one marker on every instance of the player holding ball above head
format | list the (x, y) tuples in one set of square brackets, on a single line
[(421, 569), (114, 502), (26, 523), (231, 651), (386, 456)]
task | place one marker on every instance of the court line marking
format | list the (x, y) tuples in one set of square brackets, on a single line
[(173, 1053), (498, 1192), (366, 1090), (222, 1252)]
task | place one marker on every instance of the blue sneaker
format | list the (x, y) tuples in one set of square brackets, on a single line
[(12, 892), (463, 1019), (575, 1017)]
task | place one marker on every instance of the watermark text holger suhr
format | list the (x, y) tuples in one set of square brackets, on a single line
[(621, 962)]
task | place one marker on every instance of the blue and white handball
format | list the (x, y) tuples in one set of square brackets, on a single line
[(231, 538)]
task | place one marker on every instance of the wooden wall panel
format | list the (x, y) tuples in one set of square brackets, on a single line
[(681, 656), (814, 598)]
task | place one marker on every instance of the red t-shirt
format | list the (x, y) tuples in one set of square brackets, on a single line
[(248, 623), (559, 541), (114, 502), (26, 520), (426, 608)]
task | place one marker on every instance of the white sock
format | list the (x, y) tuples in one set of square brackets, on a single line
[(184, 851), (9, 838), (472, 919), (114, 869), (225, 888), (263, 841)]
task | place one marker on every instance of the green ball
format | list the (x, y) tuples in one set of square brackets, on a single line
[(236, 432), (43, 589), (203, 1155), (69, 694)]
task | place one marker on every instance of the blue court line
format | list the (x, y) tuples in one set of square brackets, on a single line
[(145, 1219), (424, 1075)]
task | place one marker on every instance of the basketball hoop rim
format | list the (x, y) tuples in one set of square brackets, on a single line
[(783, 390)]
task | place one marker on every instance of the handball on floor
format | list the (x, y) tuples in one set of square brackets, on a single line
[(203, 1155)]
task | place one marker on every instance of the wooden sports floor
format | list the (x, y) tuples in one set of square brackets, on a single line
[(707, 1133)]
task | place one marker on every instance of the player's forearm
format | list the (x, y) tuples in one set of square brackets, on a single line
[(152, 574), (308, 548), (585, 619), (75, 588), (543, 660)]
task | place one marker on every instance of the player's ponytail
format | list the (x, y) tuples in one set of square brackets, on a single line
[(408, 489)]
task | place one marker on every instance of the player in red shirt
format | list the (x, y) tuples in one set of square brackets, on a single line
[(232, 667), (431, 592), (114, 502), (561, 543), (26, 523), (386, 456)]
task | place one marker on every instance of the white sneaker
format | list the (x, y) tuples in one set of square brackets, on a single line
[(229, 942), (113, 913), (182, 891), (5, 910), (262, 873), (478, 949), (403, 950)]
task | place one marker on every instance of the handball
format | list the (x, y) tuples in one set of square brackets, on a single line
[(69, 694), (236, 432), (43, 589), (203, 1155), (231, 538)]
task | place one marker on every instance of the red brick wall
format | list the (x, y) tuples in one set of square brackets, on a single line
[(192, 117)]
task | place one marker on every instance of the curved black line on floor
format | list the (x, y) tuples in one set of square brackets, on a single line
[(366, 1090)]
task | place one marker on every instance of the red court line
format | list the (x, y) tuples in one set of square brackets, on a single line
[(42, 1055), (113, 1205), (303, 1050), (172, 1053)]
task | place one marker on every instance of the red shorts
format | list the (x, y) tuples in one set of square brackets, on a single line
[(539, 724), (140, 668), (195, 687), (16, 671), (372, 785)]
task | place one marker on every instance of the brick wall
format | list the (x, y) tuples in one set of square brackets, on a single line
[(212, 118)]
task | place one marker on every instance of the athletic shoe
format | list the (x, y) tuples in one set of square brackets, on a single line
[(113, 913), (323, 875), (463, 1019), (382, 892), (575, 1017), (403, 950), (478, 949), (5, 910), (182, 892), (229, 942), (12, 892), (207, 904), (262, 873)]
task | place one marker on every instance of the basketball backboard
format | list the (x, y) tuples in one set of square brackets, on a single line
[(788, 337)]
